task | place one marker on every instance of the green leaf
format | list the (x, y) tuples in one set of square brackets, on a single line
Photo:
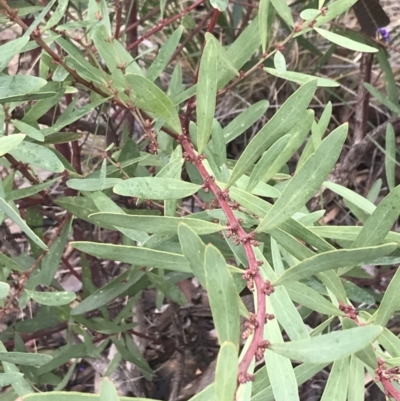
[(153, 100), (393, 107), (279, 62), (16, 87), (9, 378), (382, 219), (328, 347), (164, 55), (57, 15), (307, 180), (56, 298), (206, 94), (24, 358), (263, 12), (37, 155), (156, 188), (168, 288), (8, 143), (277, 126), (263, 171), (390, 80), (266, 161), (194, 250), (108, 392), (356, 391), (244, 120), (390, 301), (16, 218), (311, 299), (92, 184), (134, 254), (110, 291), (390, 156), (279, 368), (30, 131), (4, 290), (156, 224), (222, 295), (226, 372), (334, 260), (220, 5), (301, 78), (309, 14), (10, 49), (345, 42), (74, 396), (283, 11), (351, 196), (338, 381)]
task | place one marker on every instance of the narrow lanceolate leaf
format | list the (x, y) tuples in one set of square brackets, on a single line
[(194, 250), (29, 130), (301, 78), (24, 358), (156, 224), (220, 5), (338, 381), (206, 94), (307, 180), (156, 188), (283, 10), (135, 255), (390, 156), (152, 99), (390, 302), (39, 156), (311, 299), (356, 391), (277, 126), (382, 219), (297, 136), (345, 42), (280, 62), (10, 142), (222, 295), (57, 15), (9, 378), (16, 218), (263, 10), (17, 87), (56, 298), (10, 49), (329, 347), (334, 260), (164, 55), (226, 372)]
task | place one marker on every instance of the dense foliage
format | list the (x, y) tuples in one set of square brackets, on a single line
[(125, 178)]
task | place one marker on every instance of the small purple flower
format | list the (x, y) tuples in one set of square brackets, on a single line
[(385, 34)]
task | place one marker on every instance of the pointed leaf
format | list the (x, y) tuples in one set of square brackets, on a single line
[(338, 381), (307, 180), (329, 347), (30, 131), (16, 218), (301, 78), (334, 260), (10, 49), (156, 188), (10, 142), (152, 99), (222, 295), (345, 42), (277, 126), (390, 156), (263, 12), (134, 254), (156, 224), (206, 94), (108, 392), (17, 87)]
